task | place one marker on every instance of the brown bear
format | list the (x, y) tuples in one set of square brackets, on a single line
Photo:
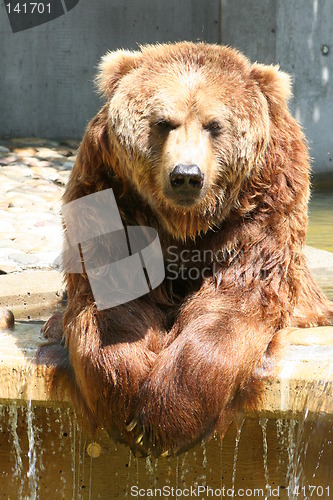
[(197, 143)]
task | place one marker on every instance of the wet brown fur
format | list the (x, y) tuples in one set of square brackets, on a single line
[(181, 360)]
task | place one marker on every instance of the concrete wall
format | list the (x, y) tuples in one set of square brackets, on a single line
[(294, 34), (46, 75)]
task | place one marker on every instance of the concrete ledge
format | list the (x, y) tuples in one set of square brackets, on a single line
[(304, 376), (304, 380), (30, 293), (20, 377)]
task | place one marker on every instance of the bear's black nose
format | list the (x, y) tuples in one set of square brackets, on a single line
[(188, 177)]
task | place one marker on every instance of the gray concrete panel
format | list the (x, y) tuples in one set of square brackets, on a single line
[(305, 33), (294, 34), (46, 78), (250, 26)]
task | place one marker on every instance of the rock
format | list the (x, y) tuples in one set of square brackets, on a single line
[(6, 227), (47, 259), (8, 268), (27, 241), (49, 231), (7, 243), (16, 171), (7, 160), (312, 336), (25, 200), (72, 143), (49, 173), (3, 149), (49, 153), (62, 178), (64, 151), (33, 161), (17, 211), (64, 165), (24, 259), (34, 141), (321, 265), (25, 151), (94, 450), (6, 184), (7, 320), (319, 259), (6, 251)]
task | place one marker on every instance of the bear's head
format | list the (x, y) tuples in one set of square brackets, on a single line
[(190, 123)]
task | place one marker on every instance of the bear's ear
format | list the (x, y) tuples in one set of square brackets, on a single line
[(113, 66), (274, 84)]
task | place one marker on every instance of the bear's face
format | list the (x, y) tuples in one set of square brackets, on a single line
[(191, 123)]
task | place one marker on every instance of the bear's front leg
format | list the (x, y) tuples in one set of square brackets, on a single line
[(197, 381), (111, 353)]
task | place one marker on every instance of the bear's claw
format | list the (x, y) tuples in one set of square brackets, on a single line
[(139, 439), (131, 426)]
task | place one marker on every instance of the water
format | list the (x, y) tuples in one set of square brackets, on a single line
[(285, 453), (32, 454), (16, 450), (320, 230), (234, 468), (263, 424)]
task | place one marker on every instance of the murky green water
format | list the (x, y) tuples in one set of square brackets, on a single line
[(320, 231)]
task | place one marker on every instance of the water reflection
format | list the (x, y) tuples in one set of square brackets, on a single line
[(320, 230)]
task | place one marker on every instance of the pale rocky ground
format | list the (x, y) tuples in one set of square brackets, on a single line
[(33, 174)]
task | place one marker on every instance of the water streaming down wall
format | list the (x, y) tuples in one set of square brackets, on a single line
[(43, 451)]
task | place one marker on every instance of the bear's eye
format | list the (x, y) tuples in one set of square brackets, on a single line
[(165, 125), (215, 128)]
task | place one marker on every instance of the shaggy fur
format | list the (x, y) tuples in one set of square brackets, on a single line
[(170, 368)]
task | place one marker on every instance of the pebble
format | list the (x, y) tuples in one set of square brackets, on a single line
[(25, 259), (25, 151), (7, 243), (48, 153), (7, 320), (8, 159), (72, 143), (30, 242), (33, 175), (16, 171), (6, 227), (94, 450), (6, 251), (11, 268), (33, 141), (48, 172), (68, 165), (18, 200)]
